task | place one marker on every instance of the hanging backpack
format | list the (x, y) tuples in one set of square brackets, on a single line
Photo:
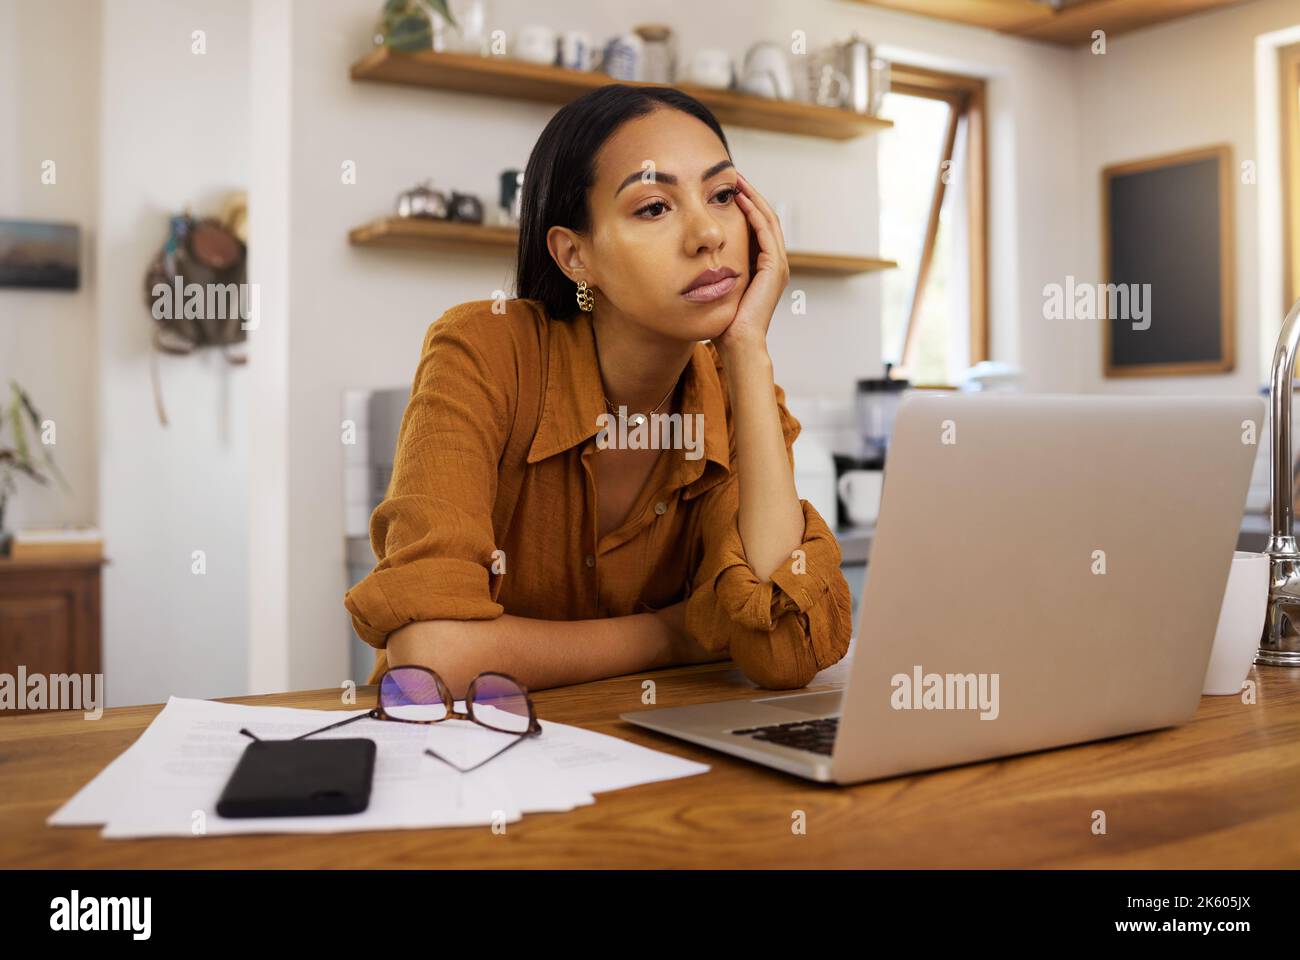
[(207, 254)]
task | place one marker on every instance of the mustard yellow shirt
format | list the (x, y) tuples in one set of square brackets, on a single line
[(450, 542)]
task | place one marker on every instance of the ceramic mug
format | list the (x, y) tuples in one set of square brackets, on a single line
[(830, 87), (767, 72), (576, 51), (624, 58), (536, 44), (711, 67), (1241, 623), (860, 490)]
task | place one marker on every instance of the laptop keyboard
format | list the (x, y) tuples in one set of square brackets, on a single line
[(816, 736)]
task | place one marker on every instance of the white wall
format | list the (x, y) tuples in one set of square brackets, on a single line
[(1189, 83), (173, 131), (47, 338)]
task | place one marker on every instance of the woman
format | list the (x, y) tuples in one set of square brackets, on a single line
[(526, 529)]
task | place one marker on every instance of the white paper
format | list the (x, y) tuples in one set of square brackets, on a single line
[(600, 763), (175, 785), (167, 783)]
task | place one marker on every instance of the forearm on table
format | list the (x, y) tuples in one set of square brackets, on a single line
[(538, 653)]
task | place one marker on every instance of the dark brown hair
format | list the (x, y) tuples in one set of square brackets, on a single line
[(561, 170)]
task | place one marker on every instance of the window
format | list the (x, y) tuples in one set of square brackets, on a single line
[(933, 203), (1289, 62)]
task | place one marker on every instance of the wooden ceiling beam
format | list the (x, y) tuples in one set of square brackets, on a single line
[(1072, 25)]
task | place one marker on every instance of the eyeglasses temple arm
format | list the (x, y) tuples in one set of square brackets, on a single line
[(359, 716), (517, 740)]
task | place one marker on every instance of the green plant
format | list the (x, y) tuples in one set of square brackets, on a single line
[(20, 457), (406, 25)]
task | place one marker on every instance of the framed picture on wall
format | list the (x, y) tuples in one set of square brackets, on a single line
[(1166, 296), (39, 255)]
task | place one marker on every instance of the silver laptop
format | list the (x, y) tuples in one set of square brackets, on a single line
[(1046, 570)]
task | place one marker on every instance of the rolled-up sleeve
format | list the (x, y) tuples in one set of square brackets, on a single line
[(432, 534), (780, 631)]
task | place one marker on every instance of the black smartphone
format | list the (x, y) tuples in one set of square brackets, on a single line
[(300, 778)]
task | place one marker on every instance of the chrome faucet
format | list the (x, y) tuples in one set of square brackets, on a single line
[(1280, 644)]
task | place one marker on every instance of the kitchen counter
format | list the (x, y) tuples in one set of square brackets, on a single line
[(855, 542)]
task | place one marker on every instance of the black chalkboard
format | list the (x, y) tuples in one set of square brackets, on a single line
[(1167, 249)]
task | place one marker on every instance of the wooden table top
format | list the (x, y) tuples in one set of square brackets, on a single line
[(1221, 791)]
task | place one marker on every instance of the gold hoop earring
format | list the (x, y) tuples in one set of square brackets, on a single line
[(586, 299)]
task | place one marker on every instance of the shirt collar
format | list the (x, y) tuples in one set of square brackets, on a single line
[(575, 398)]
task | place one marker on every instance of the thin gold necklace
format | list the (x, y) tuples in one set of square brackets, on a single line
[(636, 419)]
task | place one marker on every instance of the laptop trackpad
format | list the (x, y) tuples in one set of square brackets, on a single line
[(813, 704)]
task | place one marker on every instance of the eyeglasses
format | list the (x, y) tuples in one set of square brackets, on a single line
[(412, 694)]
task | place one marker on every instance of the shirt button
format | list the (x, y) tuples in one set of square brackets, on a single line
[(661, 508), (591, 561)]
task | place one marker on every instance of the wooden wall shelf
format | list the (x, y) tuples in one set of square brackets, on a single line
[(517, 79), (424, 234)]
